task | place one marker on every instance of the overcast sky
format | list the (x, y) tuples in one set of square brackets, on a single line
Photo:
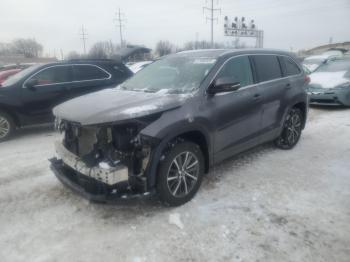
[(287, 24)]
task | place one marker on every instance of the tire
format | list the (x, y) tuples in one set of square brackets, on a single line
[(179, 179), (292, 128), (7, 126)]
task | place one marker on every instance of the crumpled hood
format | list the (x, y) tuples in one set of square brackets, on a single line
[(111, 105), (328, 79)]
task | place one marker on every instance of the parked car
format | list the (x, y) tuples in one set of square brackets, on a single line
[(7, 73), (330, 84), (336, 53), (314, 62), (28, 97), (135, 67), (162, 129), (15, 66)]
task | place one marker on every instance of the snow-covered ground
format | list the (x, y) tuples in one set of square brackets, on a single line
[(264, 205)]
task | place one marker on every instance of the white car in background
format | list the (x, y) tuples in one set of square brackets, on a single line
[(135, 67), (315, 61)]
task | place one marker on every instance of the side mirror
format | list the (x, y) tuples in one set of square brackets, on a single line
[(31, 83), (224, 84)]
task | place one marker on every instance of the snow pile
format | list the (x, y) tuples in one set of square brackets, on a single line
[(174, 219)]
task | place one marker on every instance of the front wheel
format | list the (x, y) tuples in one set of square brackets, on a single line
[(180, 174), (7, 126), (291, 131)]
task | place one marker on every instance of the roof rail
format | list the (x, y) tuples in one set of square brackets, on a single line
[(91, 60)]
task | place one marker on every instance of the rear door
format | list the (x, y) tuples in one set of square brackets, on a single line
[(237, 114), (272, 88), (49, 91), (88, 78)]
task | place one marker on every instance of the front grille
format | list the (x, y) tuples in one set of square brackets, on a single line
[(324, 101)]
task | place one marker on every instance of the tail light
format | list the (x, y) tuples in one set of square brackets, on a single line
[(307, 79)]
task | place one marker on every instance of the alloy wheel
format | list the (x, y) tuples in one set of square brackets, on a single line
[(291, 130), (183, 174), (4, 127)]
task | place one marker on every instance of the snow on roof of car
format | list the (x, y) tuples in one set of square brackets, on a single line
[(320, 57)]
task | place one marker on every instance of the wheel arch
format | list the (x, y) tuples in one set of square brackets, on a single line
[(303, 108), (11, 114), (196, 136)]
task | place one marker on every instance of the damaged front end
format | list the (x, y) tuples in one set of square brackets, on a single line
[(104, 162)]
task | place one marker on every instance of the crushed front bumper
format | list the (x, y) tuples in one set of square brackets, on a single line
[(95, 184)]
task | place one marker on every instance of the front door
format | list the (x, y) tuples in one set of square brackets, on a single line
[(48, 91), (238, 113)]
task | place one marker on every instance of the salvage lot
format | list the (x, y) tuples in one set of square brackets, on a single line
[(264, 205)]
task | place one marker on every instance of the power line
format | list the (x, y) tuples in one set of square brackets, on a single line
[(83, 35), (212, 10), (119, 23)]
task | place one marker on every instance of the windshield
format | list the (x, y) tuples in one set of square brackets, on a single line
[(13, 79), (342, 65), (313, 61), (175, 74)]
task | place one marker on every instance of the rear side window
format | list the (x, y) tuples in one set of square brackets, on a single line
[(89, 72), (239, 68), (267, 67), (290, 67), (53, 75)]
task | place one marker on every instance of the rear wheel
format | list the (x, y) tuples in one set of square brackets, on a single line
[(292, 128), (7, 126), (180, 174)]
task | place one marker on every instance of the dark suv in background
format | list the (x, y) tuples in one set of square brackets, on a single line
[(162, 129), (28, 97)]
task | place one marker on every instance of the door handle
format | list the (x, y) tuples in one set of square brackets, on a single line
[(256, 97), (288, 86)]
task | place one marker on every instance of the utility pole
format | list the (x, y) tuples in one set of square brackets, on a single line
[(83, 35), (212, 11), (119, 23)]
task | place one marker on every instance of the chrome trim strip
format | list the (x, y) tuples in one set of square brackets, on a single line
[(78, 81)]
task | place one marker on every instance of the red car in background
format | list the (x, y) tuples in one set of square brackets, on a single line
[(7, 73)]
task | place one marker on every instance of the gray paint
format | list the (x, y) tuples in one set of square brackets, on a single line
[(112, 105)]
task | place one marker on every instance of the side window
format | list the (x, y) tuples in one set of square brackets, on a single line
[(88, 72), (290, 67), (53, 75), (238, 68), (267, 67)]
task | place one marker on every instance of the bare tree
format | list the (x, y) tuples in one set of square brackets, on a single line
[(103, 50), (202, 45), (72, 55), (164, 48), (5, 49), (27, 47)]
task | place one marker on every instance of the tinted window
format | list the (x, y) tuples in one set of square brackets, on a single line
[(240, 69), (53, 75), (88, 72), (291, 67), (267, 67)]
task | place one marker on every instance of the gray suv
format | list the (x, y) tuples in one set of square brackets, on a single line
[(160, 131)]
